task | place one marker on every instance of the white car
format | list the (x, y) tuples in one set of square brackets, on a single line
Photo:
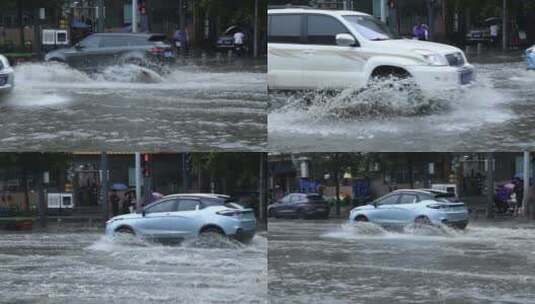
[(320, 49), (7, 78)]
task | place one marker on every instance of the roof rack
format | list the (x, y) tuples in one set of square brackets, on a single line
[(289, 6)]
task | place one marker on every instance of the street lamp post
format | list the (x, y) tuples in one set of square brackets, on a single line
[(490, 185), (134, 16), (504, 25), (104, 185), (256, 25)]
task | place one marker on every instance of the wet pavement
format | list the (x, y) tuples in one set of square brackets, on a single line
[(496, 113), (126, 107), (333, 262), (83, 267)]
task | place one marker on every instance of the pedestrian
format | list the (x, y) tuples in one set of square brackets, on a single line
[(114, 202), (239, 38), (519, 194), (494, 34), (420, 31), (181, 39)]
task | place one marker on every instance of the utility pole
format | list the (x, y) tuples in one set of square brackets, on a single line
[(256, 28), (490, 185), (262, 187), (100, 16), (42, 202), (138, 180), (104, 185), (184, 173), (134, 16), (182, 14), (504, 26)]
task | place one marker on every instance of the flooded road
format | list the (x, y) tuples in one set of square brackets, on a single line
[(126, 107), (87, 268), (496, 113), (332, 262)]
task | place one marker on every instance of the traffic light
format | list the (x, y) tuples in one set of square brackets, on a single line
[(146, 164)]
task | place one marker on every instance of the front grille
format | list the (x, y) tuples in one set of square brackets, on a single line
[(455, 59)]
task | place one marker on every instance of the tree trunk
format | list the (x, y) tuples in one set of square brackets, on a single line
[(26, 204), (21, 23), (337, 187)]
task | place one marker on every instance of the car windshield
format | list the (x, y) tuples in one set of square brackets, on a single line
[(371, 28)]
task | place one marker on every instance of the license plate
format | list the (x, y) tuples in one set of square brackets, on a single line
[(178, 44), (467, 76), (3, 80), (168, 54), (321, 209), (477, 35)]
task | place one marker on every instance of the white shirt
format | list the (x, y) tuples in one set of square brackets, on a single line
[(238, 38), (494, 30)]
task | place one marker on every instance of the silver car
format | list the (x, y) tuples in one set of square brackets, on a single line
[(403, 207), (7, 78), (185, 216)]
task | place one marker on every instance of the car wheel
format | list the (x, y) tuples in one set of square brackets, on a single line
[(422, 220), (127, 231), (361, 218), (212, 232)]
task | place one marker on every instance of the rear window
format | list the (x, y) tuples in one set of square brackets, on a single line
[(315, 197)]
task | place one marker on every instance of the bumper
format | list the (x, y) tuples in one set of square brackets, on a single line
[(431, 78), (530, 59), (457, 220), (243, 236), (7, 82)]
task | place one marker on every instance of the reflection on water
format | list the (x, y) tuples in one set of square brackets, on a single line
[(89, 268), (313, 262)]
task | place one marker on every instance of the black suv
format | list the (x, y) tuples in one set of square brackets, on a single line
[(300, 205), (104, 49)]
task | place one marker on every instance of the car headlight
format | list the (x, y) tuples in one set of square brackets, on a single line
[(433, 59), (4, 63)]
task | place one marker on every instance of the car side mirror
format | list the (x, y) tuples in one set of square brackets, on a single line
[(143, 213), (375, 204), (345, 40), (78, 46)]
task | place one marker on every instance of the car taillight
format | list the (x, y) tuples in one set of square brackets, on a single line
[(235, 213), (157, 50)]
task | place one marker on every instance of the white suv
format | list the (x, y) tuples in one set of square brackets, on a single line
[(316, 49)]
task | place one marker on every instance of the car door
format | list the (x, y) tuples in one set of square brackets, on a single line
[(77, 56), (326, 64), (383, 213), (187, 218), (403, 212), (158, 220), (285, 54), (110, 49), (284, 208)]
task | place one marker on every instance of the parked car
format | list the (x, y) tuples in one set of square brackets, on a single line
[(300, 205), (7, 77), (482, 33), (318, 49), (104, 49), (403, 207), (185, 216), (530, 58)]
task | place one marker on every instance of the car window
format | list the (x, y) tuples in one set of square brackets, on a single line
[(371, 28), (90, 42), (113, 41), (187, 204), (165, 206), (285, 28), (408, 199), (294, 198), (388, 200), (285, 199), (140, 41), (323, 29)]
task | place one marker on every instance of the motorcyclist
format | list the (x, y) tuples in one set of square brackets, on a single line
[(239, 38)]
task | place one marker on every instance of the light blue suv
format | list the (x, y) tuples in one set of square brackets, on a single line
[(185, 216), (403, 207)]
